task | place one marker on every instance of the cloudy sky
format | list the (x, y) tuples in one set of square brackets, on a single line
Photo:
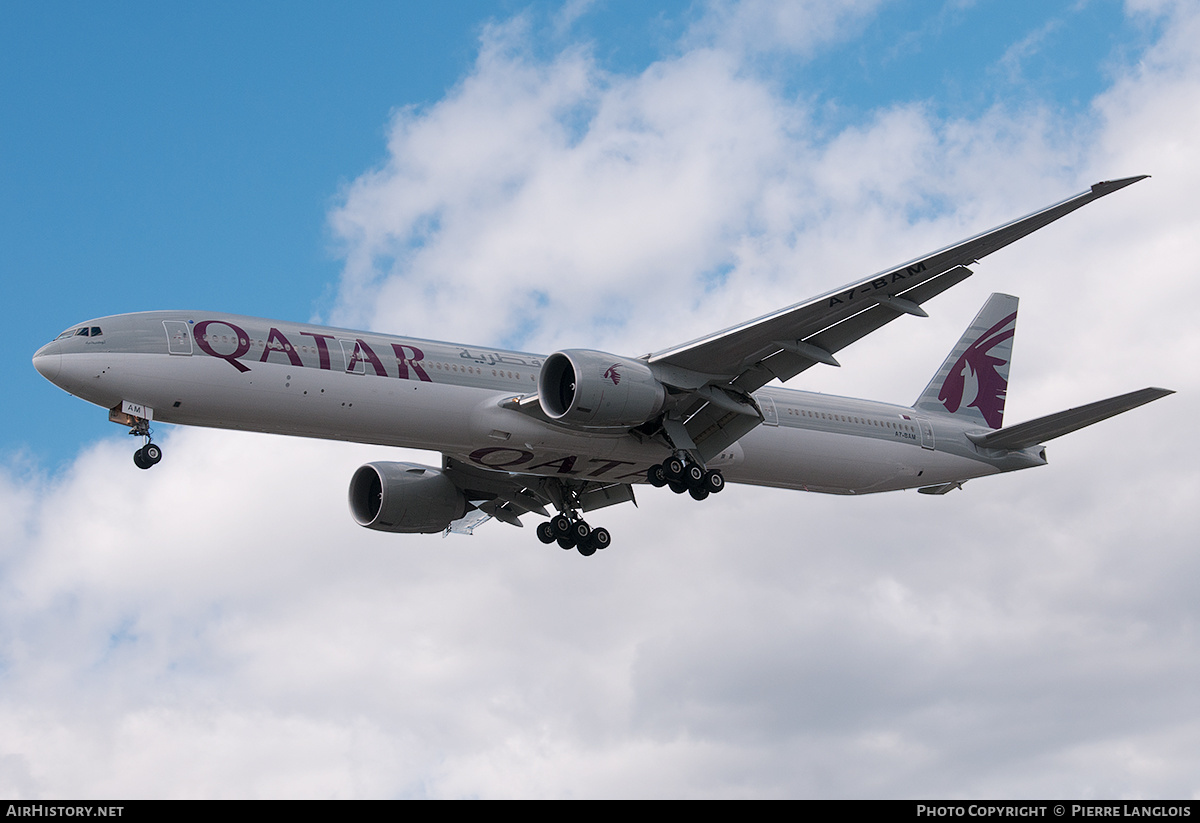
[(623, 176)]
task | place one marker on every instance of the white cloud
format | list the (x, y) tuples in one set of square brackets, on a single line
[(754, 27), (218, 626)]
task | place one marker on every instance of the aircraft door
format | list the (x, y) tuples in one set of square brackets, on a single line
[(767, 405), (179, 339), (355, 364), (926, 433)]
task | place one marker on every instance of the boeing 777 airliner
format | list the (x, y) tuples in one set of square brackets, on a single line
[(577, 429)]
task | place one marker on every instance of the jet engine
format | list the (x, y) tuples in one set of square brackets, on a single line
[(404, 497), (592, 388)]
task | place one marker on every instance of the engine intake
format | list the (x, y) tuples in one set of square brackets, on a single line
[(593, 388), (404, 497)]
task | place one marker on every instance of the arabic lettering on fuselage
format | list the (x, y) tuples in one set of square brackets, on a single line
[(494, 358), (230, 342)]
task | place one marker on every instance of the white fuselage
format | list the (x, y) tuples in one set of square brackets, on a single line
[(227, 371)]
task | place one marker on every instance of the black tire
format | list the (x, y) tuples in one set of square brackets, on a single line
[(673, 468), (693, 475), (545, 532), (566, 542), (151, 453), (698, 494), (561, 524), (139, 460), (677, 487), (587, 549), (714, 482), (600, 538), (580, 532), (656, 477)]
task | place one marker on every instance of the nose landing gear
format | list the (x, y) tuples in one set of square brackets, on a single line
[(150, 453), (137, 417)]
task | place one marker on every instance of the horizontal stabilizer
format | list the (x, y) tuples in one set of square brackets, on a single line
[(1032, 432)]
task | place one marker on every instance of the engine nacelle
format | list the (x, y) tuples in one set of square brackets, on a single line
[(592, 388), (404, 497)]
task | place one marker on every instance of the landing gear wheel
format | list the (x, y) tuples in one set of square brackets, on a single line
[(587, 549), (545, 533), (677, 487), (656, 476), (147, 456), (714, 481), (673, 468), (580, 533), (600, 538), (566, 543), (693, 475), (561, 524), (698, 494)]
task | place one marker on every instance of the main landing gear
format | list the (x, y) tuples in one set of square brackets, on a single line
[(572, 533), (682, 475)]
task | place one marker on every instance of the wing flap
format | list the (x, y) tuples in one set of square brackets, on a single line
[(507, 496), (599, 495), (786, 364), (1033, 432)]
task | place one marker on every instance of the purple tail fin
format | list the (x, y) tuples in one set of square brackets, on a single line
[(973, 382)]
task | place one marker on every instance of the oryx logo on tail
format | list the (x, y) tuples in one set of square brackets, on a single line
[(973, 381), (978, 367)]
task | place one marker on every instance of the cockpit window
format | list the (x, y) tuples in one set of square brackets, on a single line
[(82, 331)]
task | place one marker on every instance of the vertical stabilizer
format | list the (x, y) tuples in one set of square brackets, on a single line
[(973, 382)]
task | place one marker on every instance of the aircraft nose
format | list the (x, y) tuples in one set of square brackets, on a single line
[(48, 361)]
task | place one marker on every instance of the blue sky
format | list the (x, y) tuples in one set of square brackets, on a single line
[(157, 156), (622, 176)]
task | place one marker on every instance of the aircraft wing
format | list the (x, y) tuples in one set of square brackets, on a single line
[(751, 354), (722, 370)]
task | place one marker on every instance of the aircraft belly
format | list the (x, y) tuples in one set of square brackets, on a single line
[(834, 463), (510, 440)]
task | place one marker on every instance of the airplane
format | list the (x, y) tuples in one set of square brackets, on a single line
[(578, 429)]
